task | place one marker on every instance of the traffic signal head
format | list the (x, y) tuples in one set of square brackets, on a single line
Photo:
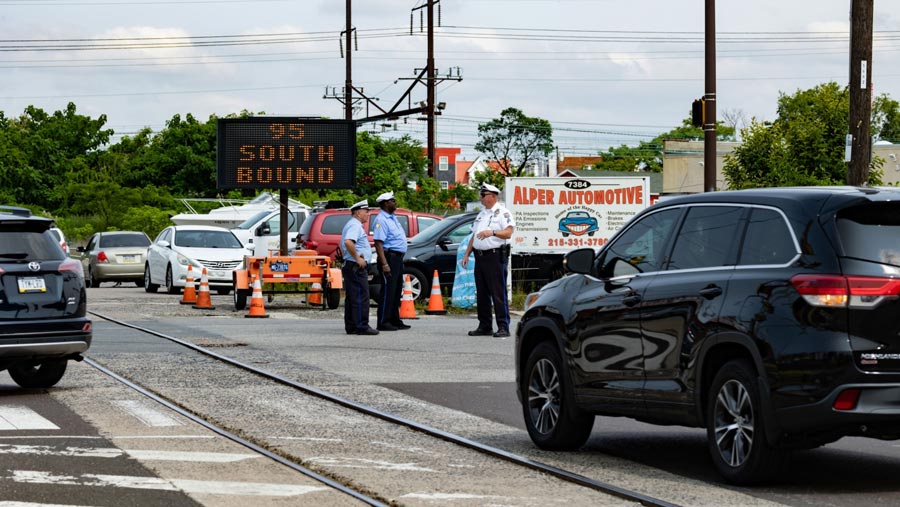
[(698, 112)]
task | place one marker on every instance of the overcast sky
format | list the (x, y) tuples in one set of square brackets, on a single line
[(603, 72)]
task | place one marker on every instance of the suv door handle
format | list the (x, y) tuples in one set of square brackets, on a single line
[(631, 300), (711, 292)]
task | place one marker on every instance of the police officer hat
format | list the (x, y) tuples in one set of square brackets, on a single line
[(487, 187), (363, 204), (387, 196)]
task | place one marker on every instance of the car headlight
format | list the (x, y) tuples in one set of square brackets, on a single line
[(184, 261), (530, 299)]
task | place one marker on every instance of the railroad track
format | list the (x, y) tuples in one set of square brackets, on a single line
[(354, 491)]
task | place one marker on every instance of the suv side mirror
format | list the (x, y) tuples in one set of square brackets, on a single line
[(263, 230), (80, 249), (579, 261), (443, 242)]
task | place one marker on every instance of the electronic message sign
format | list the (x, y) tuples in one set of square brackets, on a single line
[(285, 153)]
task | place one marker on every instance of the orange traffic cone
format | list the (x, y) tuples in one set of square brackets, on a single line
[(190, 293), (315, 297), (407, 306), (257, 309), (436, 301), (203, 301)]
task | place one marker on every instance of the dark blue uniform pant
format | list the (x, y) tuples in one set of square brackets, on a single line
[(391, 290), (490, 289), (356, 304)]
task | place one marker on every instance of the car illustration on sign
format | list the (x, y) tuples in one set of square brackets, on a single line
[(578, 223)]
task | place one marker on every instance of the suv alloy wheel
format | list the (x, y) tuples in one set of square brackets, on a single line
[(552, 420)]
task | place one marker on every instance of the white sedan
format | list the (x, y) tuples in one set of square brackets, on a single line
[(178, 246)]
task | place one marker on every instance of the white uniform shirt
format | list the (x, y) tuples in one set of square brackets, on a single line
[(497, 218)]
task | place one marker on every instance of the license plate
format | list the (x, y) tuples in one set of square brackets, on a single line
[(278, 267), (31, 284), (129, 259)]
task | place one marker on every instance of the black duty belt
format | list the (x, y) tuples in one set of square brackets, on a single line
[(492, 251), (393, 252)]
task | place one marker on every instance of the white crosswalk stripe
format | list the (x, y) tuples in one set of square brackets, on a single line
[(23, 418), (147, 415), (154, 483), (112, 452)]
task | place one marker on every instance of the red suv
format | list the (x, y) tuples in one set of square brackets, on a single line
[(322, 231)]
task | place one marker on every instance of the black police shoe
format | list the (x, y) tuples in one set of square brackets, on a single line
[(368, 331), (480, 332), (387, 327), (502, 333), (400, 325)]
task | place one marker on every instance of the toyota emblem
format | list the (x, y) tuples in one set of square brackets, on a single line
[(34, 266)]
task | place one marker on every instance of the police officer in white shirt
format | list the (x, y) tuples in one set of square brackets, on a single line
[(492, 229)]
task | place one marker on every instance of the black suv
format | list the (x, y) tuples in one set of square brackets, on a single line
[(42, 301), (770, 317)]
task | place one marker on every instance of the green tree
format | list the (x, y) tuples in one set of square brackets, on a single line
[(805, 143), (514, 140)]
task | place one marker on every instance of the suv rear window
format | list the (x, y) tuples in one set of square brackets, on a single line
[(123, 240), (869, 232), (28, 245)]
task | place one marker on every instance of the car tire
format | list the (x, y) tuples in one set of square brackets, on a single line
[(552, 420), (421, 287), (333, 298), (149, 286), (37, 375), (735, 427), (90, 281), (170, 282)]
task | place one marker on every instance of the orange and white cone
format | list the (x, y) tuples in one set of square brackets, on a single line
[(257, 309), (190, 293), (315, 296), (203, 300), (407, 305), (436, 301)]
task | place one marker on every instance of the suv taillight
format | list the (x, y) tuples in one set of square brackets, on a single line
[(71, 265), (845, 291), (101, 257), (310, 245)]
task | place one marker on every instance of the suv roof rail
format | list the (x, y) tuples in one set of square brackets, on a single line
[(16, 210)]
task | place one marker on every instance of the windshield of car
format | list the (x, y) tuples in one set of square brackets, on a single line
[(870, 232), (250, 222), (124, 240), (432, 233), (28, 245), (206, 239)]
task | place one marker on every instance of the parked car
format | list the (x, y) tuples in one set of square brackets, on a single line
[(178, 246), (435, 249), (115, 256), (61, 238), (322, 231), (43, 321), (262, 231), (767, 316)]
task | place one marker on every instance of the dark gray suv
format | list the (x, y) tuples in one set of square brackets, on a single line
[(42, 301), (770, 317)]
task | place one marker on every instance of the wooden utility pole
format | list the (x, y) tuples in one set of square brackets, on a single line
[(348, 82), (860, 86), (709, 120), (429, 106)]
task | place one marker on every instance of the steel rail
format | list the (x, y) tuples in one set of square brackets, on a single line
[(231, 436), (566, 475)]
